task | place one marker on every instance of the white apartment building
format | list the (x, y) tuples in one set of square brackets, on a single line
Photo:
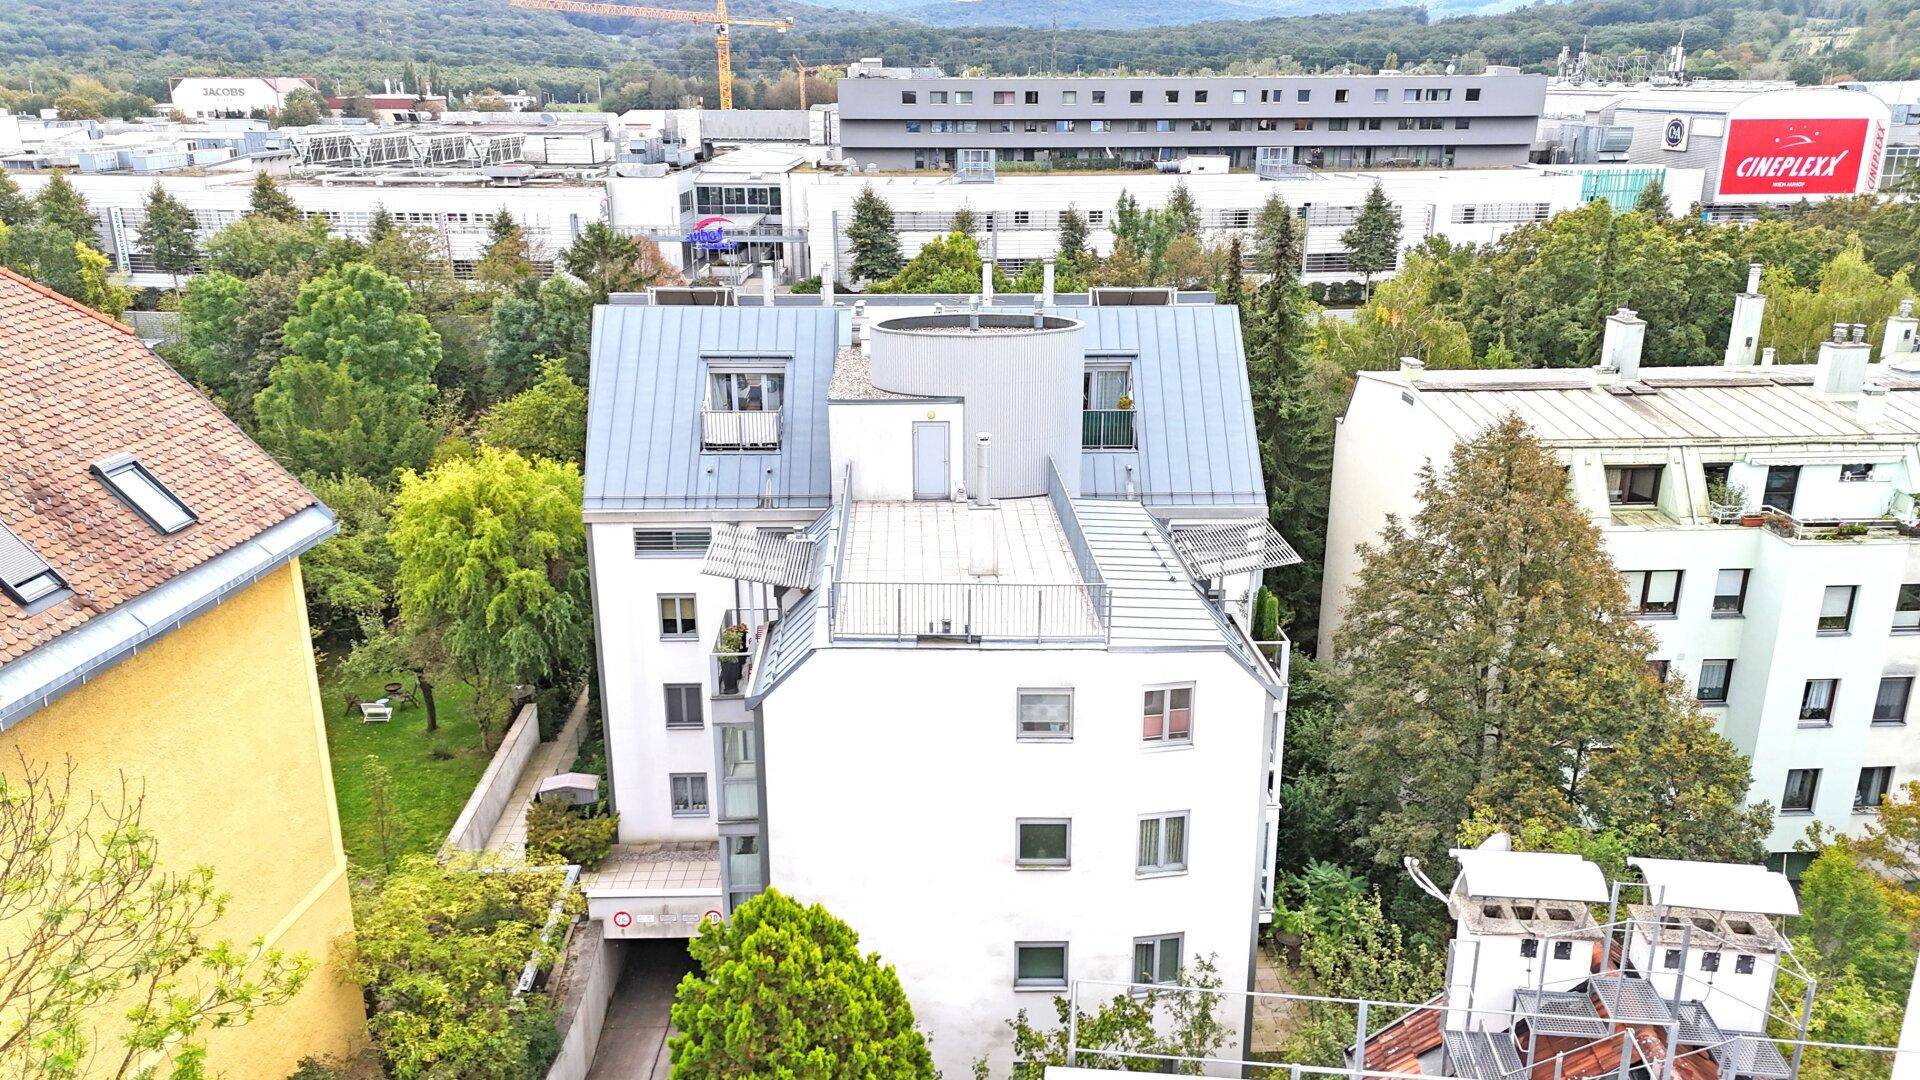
[(457, 208), (1017, 216), (939, 620), (1799, 630)]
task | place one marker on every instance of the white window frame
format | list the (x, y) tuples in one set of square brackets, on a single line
[(1162, 866), (674, 782), (690, 601), (1020, 729), (1066, 969), (142, 492), (1158, 944), (1166, 739), (1023, 862), (687, 692)]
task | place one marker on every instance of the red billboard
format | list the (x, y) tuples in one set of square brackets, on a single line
[(1807, 156)]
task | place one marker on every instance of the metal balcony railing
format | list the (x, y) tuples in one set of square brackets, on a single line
[(728, 430), (903, 611), (1106, 429)]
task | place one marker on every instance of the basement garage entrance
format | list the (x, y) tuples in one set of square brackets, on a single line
[(633, 1038)]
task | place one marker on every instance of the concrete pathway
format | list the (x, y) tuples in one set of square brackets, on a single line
[(509, 835), (1273, 1019), (633, 1041)]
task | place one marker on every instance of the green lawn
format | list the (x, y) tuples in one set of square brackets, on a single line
[(432, 774)]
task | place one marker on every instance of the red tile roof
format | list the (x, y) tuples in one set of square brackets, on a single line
[(76, 388)]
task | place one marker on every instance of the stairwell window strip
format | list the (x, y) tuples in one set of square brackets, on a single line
[(1163, 845)]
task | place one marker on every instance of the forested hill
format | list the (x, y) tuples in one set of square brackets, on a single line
[(136, 43)]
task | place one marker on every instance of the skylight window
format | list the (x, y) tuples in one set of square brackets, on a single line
[(25, 576), (148, 497)]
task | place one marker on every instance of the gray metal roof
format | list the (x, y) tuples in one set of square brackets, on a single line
[(1193, 428), (788, 646), (1666, 406), (1154, 602), (646, 392)]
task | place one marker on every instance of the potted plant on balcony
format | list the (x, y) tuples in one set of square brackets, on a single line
[(732, 651), (1727, 501)]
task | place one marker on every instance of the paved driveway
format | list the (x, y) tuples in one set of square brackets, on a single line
[(633, 1042)]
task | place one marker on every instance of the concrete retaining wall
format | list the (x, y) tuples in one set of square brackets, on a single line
[(495, 789), (580, 1000)]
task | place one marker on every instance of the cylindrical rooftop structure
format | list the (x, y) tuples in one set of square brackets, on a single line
[(1020, 376)]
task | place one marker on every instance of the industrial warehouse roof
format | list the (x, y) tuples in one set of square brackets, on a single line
[(1194, 435), (647, 388), (1667, 406), (80, 397)]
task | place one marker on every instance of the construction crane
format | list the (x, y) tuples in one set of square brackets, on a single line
[(806, 70), (717, 18)]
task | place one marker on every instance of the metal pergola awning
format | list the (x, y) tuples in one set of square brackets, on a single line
[(1212, 551), (745, 554)]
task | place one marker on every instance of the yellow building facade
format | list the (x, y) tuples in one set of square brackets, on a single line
[(154, 641), (220, 722)]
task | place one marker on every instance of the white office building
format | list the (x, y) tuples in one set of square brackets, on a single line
[(1793, 612), (940, 622)]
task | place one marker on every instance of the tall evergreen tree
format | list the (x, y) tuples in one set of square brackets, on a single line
[(1493, 670), (965, 223), (1073, 238), (1295, 430), (381, 225), (608, 262), (1180, 215), (784, 990), (871, 238), (61, 205), (15, 207), (502, 225), (1652, 200), (1373, 243), (268, 200), (169, 234)]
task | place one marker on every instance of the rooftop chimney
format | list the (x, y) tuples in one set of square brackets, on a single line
[(766, 283), (982, 558), (1620, 346), (1744, 333), (1873, 403), (1766, 356), (1046, 282), (986, 280), (981, 444), (1900, 338), (1411, 368), (826, 283), (1842, 367)]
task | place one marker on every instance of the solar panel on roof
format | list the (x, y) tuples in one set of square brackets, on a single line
[(23, 573)]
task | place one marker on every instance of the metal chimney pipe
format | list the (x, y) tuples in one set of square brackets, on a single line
[(982, 496), (986, 281), (1766, 356), (826, 283), (766, 283), (1046, 283), (1753, 277)]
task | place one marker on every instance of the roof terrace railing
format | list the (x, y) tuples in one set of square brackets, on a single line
[(971, 611)]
